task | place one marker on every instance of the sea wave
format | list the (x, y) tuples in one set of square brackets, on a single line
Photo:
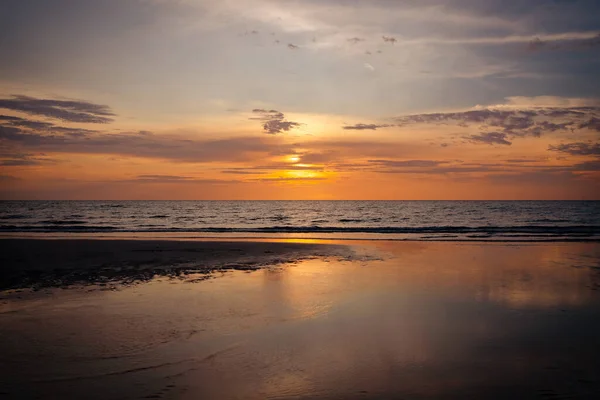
[(64, 222), (439, 231), (14, 216)]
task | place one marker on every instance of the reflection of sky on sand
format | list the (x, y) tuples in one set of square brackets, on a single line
[(429, 320)]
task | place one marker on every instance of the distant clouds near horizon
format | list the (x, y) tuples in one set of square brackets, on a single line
[(300, 99)]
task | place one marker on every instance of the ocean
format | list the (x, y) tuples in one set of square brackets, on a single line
[(394, 220)]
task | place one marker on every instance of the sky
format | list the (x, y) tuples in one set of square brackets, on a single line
[(299, 99)]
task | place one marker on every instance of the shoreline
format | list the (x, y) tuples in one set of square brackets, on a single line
[(297, 238), (111, 263), (41, 263)]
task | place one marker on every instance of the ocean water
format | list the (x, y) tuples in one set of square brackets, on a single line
[(397, 220), (410, 220)]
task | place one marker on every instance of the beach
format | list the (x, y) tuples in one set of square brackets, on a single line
[(120, 319)]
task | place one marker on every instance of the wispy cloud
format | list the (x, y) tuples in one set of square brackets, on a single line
[(356, 40), (16, 159), (176, 179), (141, 144), (498, 124), (407, 163), (362, 127), (64, 110), (580, 42), (291, 179), (577, 148), (9, 178), (490, 138), (12, 121)]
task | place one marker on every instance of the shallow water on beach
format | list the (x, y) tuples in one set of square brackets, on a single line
[(427, 320)]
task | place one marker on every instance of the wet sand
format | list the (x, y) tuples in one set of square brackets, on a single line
[(40, 263), (386, 320)]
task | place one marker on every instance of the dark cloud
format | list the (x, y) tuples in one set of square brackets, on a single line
[(389, 39), (522, 160), (504, 124), (361, 127), (543, 127), (64, 110), (24, 160), (11, 121), (439, 170), (163, 177), (241, 171), (589, 166), (355, 40), (317, 158), (9, 178), (179, 179), (260, 169), (292, 46), (407, 163), (490, 138), (274, 121), (286, 179), (433, 167), (180, 149), (577, 149), (537, 44), (593, 124)]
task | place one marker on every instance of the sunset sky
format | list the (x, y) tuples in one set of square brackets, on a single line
[(299, 99)]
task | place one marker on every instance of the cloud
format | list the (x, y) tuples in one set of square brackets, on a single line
[(369, 67), (593, 124), (490, 138), (577, 149), (527, 102), (356, 40), (516, 118), (407, 163), (274, 121), (12, 121), (288, 166), (317, 158), (536, 44), (289, 179), (64, 110), (564, 44), (241, 171), (292, 46), (8, 159), (9, 178), (587, 166), (435, 167), (389, 39), (522, 160), (179, 179), (362, 127), (15, 140)]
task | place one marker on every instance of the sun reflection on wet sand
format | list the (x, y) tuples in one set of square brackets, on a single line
[(426, 320)]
